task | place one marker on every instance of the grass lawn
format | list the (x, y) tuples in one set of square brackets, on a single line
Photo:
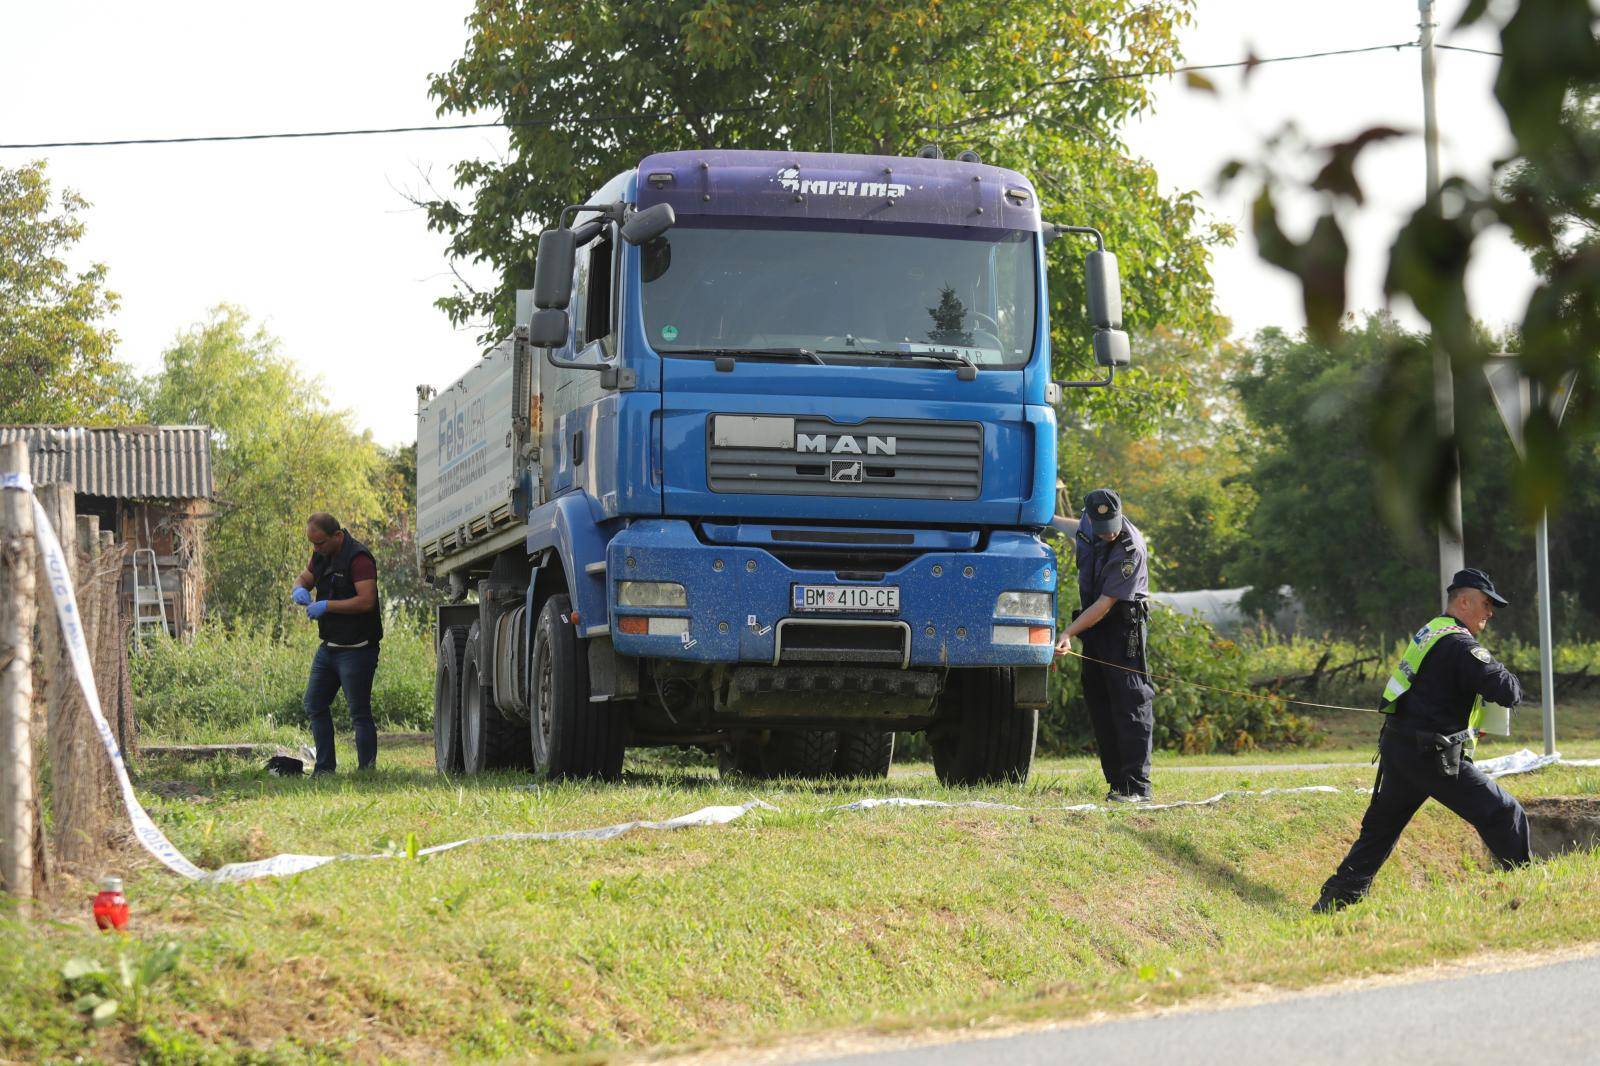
[(780, 923)]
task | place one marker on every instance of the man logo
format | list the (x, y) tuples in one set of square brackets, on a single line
[(845, 470), (844, 445)]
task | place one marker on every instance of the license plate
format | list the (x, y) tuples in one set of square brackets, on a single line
[(877, 599)]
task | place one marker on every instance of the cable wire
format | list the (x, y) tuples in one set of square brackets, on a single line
[(1253, 61), (656, 116), (1464, 48), (661, 116)]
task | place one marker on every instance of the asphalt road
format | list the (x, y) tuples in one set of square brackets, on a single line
[(1545, 1015)]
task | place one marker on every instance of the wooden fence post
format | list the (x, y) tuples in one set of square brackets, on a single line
[(92, 601), (115, 692), (75, 753), (16, 678)]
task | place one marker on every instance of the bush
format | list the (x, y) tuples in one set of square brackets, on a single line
[(237, 680), (1189, 718)]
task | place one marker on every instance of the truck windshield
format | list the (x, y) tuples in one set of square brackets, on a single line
[(876, 295)]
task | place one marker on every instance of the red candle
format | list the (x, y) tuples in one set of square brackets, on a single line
[(110, 906)]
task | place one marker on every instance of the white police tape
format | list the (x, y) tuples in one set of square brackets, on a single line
[(155, 841), (873, 802), (1518, 762), (158, 845)]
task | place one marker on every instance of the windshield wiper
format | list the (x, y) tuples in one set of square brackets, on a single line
[(966, 369), (782, 353)]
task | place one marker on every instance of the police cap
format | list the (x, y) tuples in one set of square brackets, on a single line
[(1104, 508), (1472, 578)]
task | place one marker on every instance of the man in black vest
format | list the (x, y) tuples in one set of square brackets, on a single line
[(350, 621)]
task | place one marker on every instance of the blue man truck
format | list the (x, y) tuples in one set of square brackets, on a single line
[(764, 470)]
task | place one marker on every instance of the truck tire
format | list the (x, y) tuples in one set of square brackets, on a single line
[(799, 753), (980, 736), (863, 753), (740, 757), (447, 700), (489, 740), (571, 737)]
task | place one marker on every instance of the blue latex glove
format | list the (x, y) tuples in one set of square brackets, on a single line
[(301, 595), (316, 610)]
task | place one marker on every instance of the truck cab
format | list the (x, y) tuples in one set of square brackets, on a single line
[(779, 449)]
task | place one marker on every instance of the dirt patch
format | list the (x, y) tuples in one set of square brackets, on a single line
[(184, 790), (1563, 823), (1563, 806)]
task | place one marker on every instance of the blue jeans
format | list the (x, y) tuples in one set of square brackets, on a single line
[(350, 669)]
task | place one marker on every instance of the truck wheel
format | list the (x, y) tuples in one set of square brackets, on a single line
[(980, 737), (489, 740), (571, 736), (447, 701), (740, 757), (799, 753), (864, 753)]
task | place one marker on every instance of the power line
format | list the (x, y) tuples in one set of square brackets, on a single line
[(1464, 48), (1253, 61), (656, 116), (661, 116)]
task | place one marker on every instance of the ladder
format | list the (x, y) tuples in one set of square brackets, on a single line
[(149, 605)]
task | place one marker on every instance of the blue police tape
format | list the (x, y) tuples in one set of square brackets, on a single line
[(158, 845)]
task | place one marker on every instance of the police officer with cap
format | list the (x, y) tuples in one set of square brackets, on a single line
[(1434, 705), (1113, 585)]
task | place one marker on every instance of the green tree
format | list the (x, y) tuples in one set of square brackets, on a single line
[(279, 453), (406, 592), (55, 349), (1181, 467), (1547, 81), (589, 87), (1319, 525)]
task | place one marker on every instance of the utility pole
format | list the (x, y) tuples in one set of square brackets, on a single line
[(1452, 551)]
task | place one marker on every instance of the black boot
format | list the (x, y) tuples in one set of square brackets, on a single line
[(1331, 902)]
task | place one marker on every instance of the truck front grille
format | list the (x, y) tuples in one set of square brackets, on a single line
[(930, 461)]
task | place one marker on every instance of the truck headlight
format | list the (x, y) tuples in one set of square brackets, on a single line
[(651, 594), (1024, 605)]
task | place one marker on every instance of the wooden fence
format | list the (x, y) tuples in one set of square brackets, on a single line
[(46, 732)]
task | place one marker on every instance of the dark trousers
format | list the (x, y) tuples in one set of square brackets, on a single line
[(351, 670), (1121, 707), (1407, 776)]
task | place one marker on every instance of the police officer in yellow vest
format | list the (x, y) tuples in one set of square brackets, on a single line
[(1434, 703)]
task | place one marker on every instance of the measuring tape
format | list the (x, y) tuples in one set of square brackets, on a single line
[(1216, 688)]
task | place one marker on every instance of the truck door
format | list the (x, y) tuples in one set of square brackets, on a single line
[(566, 395)]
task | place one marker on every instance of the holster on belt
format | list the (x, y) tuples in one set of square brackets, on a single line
[(1445, 751)]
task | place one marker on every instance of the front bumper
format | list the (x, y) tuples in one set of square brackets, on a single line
[(738, 595)]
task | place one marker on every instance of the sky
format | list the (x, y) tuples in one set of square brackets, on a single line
[(317, 239)]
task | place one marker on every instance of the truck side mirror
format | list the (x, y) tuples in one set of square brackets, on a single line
[(1104, 288), (548, 328), (552, 271), (647, 225), (1111, 348)]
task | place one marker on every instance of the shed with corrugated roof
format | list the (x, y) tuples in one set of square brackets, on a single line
[(151, 485)]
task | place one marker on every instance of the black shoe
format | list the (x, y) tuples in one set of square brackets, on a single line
[(1332, 903)]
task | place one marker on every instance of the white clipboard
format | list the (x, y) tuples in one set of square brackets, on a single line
[(1496, 719)]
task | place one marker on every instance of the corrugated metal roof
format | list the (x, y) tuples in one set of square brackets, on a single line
[(126, 462)]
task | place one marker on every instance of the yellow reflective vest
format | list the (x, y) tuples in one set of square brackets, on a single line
[(1422, 642)]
